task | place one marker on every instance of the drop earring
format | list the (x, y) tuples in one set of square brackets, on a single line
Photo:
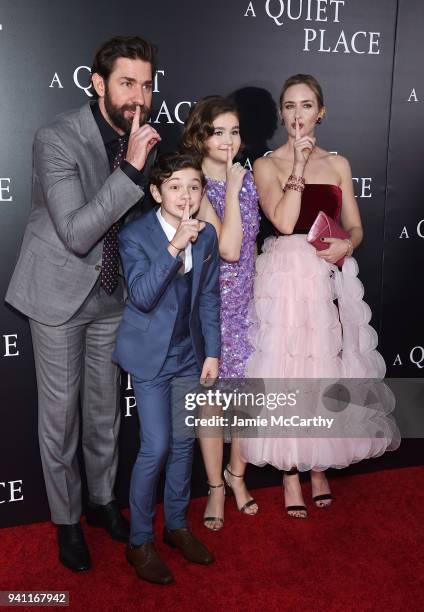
[(319, 120)]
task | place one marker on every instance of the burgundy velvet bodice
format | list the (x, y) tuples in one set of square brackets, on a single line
[(316, 197)]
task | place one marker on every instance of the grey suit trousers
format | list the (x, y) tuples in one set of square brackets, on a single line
[(73, 361)]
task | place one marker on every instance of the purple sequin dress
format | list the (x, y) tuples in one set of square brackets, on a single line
[(236, 279)]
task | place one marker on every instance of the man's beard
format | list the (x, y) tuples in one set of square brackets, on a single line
[(116, 113)]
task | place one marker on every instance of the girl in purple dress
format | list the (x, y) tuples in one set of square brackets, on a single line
[(230, 203)]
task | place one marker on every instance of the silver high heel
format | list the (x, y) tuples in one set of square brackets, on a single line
[(217, 519), (230, 491)]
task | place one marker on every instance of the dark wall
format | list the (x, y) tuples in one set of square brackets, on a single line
[(402, 337), (358, 50)]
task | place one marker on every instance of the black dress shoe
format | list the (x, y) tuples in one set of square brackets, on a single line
[(109, 517), (73, 551)]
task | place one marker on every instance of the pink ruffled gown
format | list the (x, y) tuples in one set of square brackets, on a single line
[(298, 331)]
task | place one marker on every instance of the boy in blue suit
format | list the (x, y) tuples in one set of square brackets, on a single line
[(170, 329)]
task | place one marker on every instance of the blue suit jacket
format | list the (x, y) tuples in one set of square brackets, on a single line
[(150, 312)]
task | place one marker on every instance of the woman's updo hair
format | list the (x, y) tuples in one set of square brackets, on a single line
[(304, 79), (199, 125)]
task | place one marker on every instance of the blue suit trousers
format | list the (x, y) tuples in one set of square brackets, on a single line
[(157, 401)]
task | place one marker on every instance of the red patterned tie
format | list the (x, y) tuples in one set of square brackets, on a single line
[(110, 256)]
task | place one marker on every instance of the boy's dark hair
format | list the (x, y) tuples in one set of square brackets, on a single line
[(168, 163), (199, 124), (131, 47)]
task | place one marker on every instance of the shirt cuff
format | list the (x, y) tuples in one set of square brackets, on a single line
[(135, 175)]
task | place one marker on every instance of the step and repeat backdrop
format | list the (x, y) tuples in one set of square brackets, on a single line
[(367, 56)]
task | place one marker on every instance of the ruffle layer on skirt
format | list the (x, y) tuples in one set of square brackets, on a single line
[(299, 332)]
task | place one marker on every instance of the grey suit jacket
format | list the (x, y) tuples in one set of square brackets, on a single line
[(75, 200)]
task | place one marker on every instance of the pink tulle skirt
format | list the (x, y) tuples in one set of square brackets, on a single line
[(298, 331)]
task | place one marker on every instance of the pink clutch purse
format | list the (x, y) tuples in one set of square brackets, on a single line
[(325, 227)]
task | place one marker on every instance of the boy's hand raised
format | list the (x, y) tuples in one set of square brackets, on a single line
[(209, 371), (141, 142), (187, 231)]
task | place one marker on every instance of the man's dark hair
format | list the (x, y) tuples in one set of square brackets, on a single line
[(131, 47), (168, 163)]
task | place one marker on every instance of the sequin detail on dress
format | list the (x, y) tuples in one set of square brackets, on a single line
[(236, 279)]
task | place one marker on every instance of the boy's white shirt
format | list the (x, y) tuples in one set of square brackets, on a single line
[(170, 232)]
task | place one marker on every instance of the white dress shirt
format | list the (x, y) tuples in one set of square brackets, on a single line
[(170, 232)]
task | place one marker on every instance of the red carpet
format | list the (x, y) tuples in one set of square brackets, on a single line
[(364, 554)]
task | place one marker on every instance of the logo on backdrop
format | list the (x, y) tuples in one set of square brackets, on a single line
[(167, 113), (413, 96), (363, 186), (5, 193), (11, 491), (320, 39), (418, 231), (415, 356), (130, 403), (10, 345)]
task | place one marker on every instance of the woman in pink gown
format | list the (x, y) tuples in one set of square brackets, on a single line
[(308, 317)]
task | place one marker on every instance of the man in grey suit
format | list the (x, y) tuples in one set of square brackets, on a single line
[(89, 170)]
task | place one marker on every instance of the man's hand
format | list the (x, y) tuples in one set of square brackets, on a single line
[(209, 371), (141, 141)]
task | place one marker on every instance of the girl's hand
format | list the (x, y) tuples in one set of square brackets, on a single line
[(235, 174), (303, 147), (337, 249)]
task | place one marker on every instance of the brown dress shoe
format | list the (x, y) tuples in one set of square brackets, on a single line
[(148, 565), (185, 540)]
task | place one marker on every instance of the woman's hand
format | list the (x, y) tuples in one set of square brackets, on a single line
[(303, 147), (235, 174), (337, 249)]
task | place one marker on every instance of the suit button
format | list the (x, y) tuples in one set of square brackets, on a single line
[(172, 307), (98, 267)]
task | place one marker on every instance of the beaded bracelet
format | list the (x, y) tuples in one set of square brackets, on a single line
[(296, 179), (297, 183), (294, 186)]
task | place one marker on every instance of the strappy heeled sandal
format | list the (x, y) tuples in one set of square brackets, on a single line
[(323, 497), (251, 502), (216, 519), (295, 509)]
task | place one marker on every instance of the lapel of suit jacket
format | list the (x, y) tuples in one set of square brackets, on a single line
[(160, 242), (197, 252), (94, 145), (157, 235)]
